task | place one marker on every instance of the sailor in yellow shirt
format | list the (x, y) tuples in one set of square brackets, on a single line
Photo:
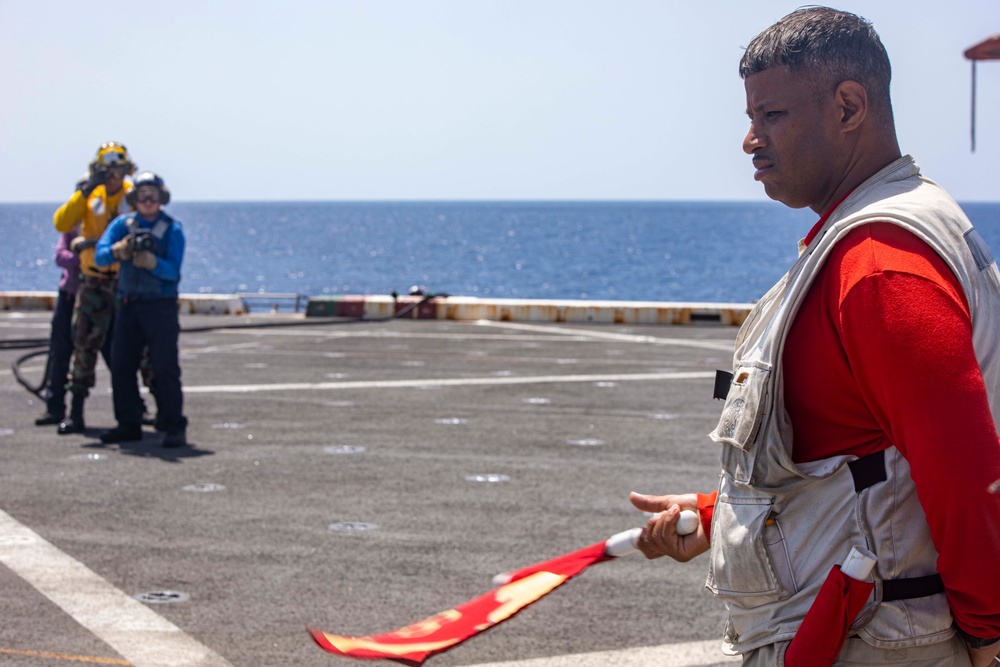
[(93, 206)]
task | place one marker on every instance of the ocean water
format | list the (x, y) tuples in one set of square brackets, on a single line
[(632, 251)]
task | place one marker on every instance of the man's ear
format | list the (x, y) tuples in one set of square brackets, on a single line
[(852, 98)]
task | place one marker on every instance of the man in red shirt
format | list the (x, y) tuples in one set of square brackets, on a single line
[(889, 353)]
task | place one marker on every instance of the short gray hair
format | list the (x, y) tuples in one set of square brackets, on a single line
[(834, 45)]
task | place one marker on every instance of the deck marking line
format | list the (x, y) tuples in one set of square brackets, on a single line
[(368, 333), (543, 333), (445, 382), (64, 656), (134, 631), (222, 348), (681, 654), (722, 346)]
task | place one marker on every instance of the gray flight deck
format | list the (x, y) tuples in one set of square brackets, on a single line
[(357, 477)]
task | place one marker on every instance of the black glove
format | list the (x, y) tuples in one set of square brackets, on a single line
[(144, 259), (79, 244), (98, 176), (122, 250)]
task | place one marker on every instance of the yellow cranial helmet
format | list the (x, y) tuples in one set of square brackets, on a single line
[(114, 154)]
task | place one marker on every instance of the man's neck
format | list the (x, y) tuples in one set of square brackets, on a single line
[(861, 166)]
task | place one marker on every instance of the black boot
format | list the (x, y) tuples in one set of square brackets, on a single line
[(49, 418), (55, 408), (122, 434), (176, 433), (74, 423), (175, 437)]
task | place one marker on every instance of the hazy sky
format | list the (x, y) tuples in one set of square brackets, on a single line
[(447, 99)]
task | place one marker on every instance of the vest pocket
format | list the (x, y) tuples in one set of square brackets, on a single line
[(743, 543), (744, 409)]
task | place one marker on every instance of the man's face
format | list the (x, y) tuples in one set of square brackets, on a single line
[(116, 177), (147, 200), (793, 139)]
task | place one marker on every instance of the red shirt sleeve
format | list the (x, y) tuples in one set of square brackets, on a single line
[(881, 354), (706, 510)]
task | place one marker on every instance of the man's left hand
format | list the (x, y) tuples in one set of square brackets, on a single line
[(984, 657), (144, 259)]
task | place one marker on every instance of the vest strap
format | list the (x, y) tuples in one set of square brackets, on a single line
[(914, 587), (723, 380), (868, 471)]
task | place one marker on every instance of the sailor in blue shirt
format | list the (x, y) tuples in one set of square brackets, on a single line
[(149, 245)]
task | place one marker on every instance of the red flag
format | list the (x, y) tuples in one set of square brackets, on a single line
[(824, 629), (415, 643)]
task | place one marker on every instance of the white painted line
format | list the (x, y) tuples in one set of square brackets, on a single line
[(139, 635), (543, 333), (369, 333), (683, 654), (443, 382), (610, 335), (21, 324), (222, 348)]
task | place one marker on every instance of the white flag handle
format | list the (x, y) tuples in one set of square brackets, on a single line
[(624, 543)]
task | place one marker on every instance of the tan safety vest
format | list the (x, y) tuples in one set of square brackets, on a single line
[(779, 526)]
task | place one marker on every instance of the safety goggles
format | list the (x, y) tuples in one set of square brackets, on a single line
[(147, 195), (112, 159)]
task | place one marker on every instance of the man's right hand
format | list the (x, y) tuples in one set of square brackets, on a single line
[(122, 250), (98, 176), (659, 537), (81, 243)]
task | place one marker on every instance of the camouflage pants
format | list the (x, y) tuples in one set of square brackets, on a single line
[(92, 317)]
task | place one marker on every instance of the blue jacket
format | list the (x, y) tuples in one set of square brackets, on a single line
[(168, 246)]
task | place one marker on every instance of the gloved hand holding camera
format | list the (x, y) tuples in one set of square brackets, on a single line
[(133, 244), (98, 176), (122, 250), (144, 259)]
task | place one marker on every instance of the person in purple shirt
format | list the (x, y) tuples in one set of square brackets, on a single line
[(61, 335)]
